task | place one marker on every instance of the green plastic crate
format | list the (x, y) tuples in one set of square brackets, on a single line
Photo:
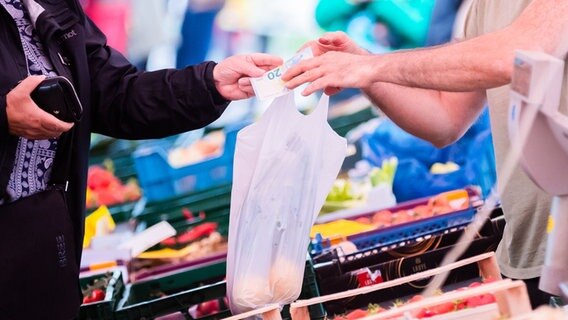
[(210, 202), (343, 124), (222, 220), (103, 309), (184, 288), (310, 290), (120, 152), (120, 212), (182, 226), (137, 303)]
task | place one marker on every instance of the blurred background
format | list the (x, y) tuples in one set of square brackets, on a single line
[(156, 34), (186, 180)]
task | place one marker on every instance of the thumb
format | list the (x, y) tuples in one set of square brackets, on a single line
[(29, 84), (250, 69), (49, 122)]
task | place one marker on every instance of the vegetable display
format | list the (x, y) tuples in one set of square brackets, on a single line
[(96, 291), (437, 205), (423, 313), (104, 188)]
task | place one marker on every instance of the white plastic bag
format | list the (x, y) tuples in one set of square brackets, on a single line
[(284, 166)]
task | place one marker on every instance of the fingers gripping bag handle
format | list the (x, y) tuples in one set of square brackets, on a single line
[(284, 166)]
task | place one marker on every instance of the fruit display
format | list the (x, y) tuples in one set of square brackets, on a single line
[(209, 146), (199, 242), (200, 231), (104, 188), (96, 291), (428, 312), (207, 308), (436, 206), (357, 189), (444, 203)]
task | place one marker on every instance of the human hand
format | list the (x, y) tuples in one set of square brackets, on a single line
[(232, 75), (332, 41), (332, 72), (26, 119)]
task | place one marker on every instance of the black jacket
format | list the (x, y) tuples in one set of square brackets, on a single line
[(117, 99)]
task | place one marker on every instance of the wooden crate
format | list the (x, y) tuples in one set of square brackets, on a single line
[(511, 296)]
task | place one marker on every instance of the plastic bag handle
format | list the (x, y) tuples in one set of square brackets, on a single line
[(322, 108)]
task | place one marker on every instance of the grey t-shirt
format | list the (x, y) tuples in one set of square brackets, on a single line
[(526, 207)]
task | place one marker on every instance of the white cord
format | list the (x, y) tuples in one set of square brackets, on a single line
[(503, 178)]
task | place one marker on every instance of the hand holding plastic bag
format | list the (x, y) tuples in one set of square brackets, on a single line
[(284, 166)]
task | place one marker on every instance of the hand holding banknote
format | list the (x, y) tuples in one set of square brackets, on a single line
[(232, 75), (339, 63), (270, 85)]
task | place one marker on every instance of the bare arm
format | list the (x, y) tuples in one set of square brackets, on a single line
[(482, 62), (455, 74), (436, 116)]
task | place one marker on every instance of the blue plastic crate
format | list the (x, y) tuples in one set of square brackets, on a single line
[(412, 230), (161, 181)]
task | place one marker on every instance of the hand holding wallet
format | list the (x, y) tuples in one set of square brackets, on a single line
[(57, 96)]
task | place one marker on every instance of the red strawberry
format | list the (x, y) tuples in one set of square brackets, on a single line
[(460, 304), (207, 308), (487, 298), (443, 308), (423, 313), (364, 220), (473, 302), (423, 211), (356, 314), (480, 300), (382, 218)]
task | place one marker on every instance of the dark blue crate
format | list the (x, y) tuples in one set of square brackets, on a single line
[(412, 230)]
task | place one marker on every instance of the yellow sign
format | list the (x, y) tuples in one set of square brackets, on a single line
[(340, 229), (98, 223)]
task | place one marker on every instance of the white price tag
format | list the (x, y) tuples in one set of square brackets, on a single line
[(270, 85), (148, 238)]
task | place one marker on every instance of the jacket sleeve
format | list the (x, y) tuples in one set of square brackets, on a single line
[(131, 104), (4, 128)]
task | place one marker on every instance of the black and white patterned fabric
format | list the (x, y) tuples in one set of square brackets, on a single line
[(34, 158)]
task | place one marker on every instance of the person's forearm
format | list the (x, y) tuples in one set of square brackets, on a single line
[(438, 117), (482, 62)]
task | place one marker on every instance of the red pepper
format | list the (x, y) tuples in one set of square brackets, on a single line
[(187, 214), (96, 295), (197, 232)]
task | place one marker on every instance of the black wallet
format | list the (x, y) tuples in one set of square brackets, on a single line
[(57, 96)]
